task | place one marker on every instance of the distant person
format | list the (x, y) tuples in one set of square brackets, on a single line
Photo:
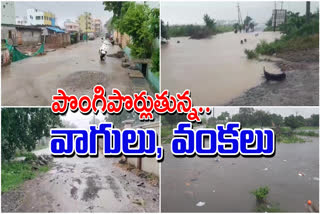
[(241, 42), (245, 40)]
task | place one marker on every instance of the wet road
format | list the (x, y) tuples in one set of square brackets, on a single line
[(76, 68), (225, 185), (88, 185), (219, 65)]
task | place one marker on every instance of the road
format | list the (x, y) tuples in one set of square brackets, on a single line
[(88, 185), (76, 68)]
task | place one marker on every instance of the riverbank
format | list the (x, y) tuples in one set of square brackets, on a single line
[(301, 87)]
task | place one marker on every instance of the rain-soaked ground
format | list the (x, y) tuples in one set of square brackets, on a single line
[(87, 185), (224, 184), (76, 68)]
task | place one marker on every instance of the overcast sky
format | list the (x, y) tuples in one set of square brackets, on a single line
[(65, 10), (192, 12)]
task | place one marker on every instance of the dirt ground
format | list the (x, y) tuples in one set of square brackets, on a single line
[(84, 185), (76, 69), (300, 88)]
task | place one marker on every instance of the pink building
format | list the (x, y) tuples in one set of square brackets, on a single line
[(71, 26)]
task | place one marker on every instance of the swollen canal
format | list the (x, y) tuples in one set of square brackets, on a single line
[(216, 70)]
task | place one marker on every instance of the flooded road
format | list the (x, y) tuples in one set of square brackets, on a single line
[(88, 185), (225, 185), (216, 70), (76, 68)]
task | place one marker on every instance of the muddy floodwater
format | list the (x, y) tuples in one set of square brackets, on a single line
[(216, 70), (224, 184)]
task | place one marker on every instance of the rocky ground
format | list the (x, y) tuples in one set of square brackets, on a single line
[(301, 87)]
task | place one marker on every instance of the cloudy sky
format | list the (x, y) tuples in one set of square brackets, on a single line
[(65, 10), (191, 12)]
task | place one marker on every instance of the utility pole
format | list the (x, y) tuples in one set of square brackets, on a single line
[(239, 16), (275, 17), (86, 16), (308, 11)]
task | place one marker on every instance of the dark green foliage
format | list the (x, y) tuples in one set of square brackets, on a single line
[(164, 30), (23, 127), (294, 121), (251, 54), (155, 61), (30, 157)]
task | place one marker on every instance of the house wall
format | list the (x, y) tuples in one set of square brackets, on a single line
[(8, 12), (28, 37), (148, 164), (5, 33), (121, 39), (58, 40)]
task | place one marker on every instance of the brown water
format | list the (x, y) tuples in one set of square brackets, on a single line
[(225, 186), (216, 70)]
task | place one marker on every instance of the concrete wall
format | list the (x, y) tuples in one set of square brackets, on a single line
[(5, 33), (28, 37), (58, 40), (8, 12), (5, 57), (148, 164)]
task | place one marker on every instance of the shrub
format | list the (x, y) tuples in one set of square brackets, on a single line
[(251, 54), (261, 193), (30, 157)]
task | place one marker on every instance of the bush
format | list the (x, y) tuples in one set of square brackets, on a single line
[(261, 193), (251, 54), (30, 157)]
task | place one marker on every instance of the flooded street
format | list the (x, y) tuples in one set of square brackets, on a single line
[(88, 185), (76, 68), (219, 65), (225, 185)]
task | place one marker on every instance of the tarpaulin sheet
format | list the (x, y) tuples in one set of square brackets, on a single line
[(17, 55)]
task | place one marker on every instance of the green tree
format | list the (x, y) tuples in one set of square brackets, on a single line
[(209, 22), (164, 31), (294, 121), (224, 116), (23, 127)]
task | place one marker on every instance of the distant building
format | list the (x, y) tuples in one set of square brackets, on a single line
[(97, 26), (85, 22), (39, 17), (8, 13), (21, 20), (71, 26)]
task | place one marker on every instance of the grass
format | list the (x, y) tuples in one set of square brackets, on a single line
[(288, 139), (307, 133), (284, 45), (308, 128), (251, 54), (15, 173)]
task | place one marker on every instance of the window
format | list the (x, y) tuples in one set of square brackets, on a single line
[(31, 17), (37, 17)]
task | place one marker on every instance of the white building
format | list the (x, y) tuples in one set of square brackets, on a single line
[(39, 17), (21, 20), (71, 26), (8, 12)]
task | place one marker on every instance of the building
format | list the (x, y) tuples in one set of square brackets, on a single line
[(97, 26), (71, 26), (39, 17), (21, 20), (85, 22), (8, 13)]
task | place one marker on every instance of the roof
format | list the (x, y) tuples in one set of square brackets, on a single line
[(57, 30)]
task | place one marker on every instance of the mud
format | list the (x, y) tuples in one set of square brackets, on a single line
[(76, 68), (300, 88), (84, 185)]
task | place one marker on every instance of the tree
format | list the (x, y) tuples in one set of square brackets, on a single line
[(23, 127), (294, 121), (209, 22), (224, 116), (164, 31), (117, 119), (261, 118)]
